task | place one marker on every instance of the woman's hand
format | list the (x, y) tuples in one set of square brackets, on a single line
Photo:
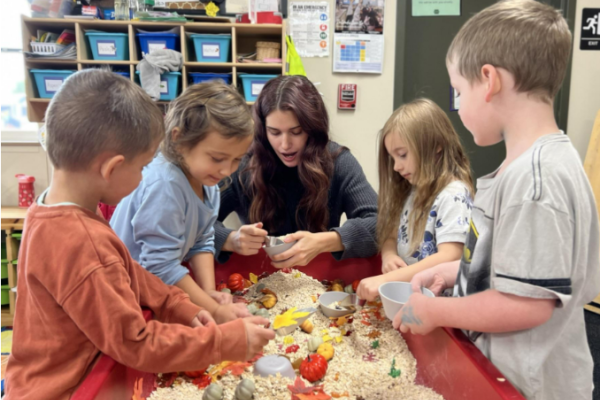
[(247, 240), (308, 247)]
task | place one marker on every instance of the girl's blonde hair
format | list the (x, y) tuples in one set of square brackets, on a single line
[(439, 157), (203, 108)]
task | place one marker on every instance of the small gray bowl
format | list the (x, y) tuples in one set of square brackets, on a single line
[(331, 297), (273, 364), (278, 249)]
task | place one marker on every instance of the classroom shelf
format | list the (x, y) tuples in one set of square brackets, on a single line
[(243, 40)]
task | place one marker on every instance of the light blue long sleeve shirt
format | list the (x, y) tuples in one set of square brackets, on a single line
[(163, 222)]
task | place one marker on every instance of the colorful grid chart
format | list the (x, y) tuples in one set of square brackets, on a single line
[(354, 52)]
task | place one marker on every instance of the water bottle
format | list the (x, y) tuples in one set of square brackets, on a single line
[(122, 10)]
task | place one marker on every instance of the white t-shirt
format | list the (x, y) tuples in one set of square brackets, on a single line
[(534, 233), (448, 222)]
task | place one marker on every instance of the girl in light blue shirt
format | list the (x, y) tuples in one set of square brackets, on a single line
[(169, 218)]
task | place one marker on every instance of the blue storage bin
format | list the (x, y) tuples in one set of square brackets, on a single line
[(48, 81), (253, 84), (212, 48), (125, 74), (169, 85), (199, 77), (156, 41), (109, 45)]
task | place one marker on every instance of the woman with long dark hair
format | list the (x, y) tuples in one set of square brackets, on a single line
[(297, 182)]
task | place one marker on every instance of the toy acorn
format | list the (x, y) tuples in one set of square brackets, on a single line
[(307, 326), (268, 300), (336, 287), (314, 343)]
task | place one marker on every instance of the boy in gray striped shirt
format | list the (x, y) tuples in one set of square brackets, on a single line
[(532, 256)]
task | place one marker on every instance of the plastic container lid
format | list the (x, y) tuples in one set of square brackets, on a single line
[(169, 34), (210, 36), (60, 71), (105, 34), (25, 178), (164, 73)]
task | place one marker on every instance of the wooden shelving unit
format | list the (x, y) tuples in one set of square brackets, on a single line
[(244, 38), (12, 220)]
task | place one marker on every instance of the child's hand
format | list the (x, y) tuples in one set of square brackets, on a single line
[(220, 297), (368, 289), (391, 263), (413, 316), (229, 312), (203, 318), (257, 335), (249, 239), (430, 279)]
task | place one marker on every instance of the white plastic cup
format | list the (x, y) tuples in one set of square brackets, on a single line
[(395, 294)]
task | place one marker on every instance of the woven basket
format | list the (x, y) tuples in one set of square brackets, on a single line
[(267, 50)]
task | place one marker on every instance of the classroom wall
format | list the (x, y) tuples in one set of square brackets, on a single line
[(28, 159), (584, 101), (358, 129)]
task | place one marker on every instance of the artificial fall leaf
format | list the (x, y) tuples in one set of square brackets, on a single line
[(332, 325), (369, 357), (302, 392), (203, 381), (324, 331), (348, 333), (236, 368), (341, 321), (292, 349), (137, 390), (375, 344), (337, 395), (365, 322), (374, 334), (288, 340), (338, 339), (327, 338), (297, 362), (166, 380), (253, 278), (288, 318), (314, 298), (378, 315), (343, 332)]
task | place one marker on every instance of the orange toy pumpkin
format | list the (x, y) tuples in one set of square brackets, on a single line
[(221, 286), (313, 368), (235, 282)]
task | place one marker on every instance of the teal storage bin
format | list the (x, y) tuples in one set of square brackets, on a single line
[(212, 48), (48, 81), (253, 84), (169, 85), (109, 45)]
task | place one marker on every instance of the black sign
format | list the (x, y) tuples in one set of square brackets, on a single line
[(590, 29)]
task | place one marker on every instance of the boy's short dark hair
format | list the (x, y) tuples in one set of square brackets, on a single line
[(98, 111), (529, 39)]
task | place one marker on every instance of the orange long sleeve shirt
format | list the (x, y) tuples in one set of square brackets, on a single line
[(80, 293)]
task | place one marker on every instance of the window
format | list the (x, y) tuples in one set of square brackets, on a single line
[(14, 123)]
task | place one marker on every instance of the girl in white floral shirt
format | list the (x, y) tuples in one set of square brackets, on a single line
[(424, 194)]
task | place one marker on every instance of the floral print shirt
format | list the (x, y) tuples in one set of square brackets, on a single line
[(448, 221)]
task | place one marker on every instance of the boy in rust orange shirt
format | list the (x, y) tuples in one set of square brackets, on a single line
[(80, 292)]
